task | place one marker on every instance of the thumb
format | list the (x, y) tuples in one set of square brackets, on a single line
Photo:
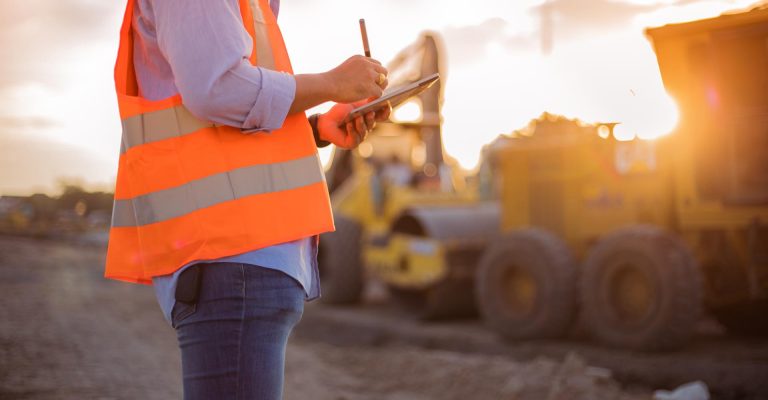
[(339, 111), (363, 102)]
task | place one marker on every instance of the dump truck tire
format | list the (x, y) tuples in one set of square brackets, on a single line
[(340, 263), (641, 289), (526, 285)]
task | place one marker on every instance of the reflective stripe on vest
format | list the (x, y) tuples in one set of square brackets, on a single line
[(160, 125), (264, 51), (214, 189), (190, 190)]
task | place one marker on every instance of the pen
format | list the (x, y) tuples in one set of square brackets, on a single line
[(364, 33)]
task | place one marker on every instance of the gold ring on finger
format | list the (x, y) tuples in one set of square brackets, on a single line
[(380, 80)]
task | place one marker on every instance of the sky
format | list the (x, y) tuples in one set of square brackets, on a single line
[(59, 119)]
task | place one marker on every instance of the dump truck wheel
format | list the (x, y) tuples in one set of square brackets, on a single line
[(340, 264), (641, 289), (744, 319), (451, 298), (526, 285)]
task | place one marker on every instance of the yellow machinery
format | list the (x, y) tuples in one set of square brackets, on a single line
[(717, 71), (638, 236), (633, 237), (399, 167), (569, 194)]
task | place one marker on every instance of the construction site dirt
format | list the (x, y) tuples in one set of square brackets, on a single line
[(67, 333)]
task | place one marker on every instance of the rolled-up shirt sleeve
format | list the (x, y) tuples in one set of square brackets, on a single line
[(208, 50)]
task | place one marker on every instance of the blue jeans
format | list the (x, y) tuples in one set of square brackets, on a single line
[(233, 339)]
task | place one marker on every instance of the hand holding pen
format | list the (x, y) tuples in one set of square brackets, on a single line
[(364, 79), (359, 77), (382, 78)]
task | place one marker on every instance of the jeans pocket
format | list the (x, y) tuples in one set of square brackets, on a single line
[(181, 311)]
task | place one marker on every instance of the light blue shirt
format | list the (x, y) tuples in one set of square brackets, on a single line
[(298, 259), (198, 48)]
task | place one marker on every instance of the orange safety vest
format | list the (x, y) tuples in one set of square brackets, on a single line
[(189, 190)]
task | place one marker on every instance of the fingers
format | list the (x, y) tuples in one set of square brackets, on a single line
[(375, 64), (380, 69), (345, 135), (380, 74), (379, 78), (339, 111), (358, 78), (350, 134), (383, 83), (383, 113), (352, 137), (357, 130), (361, 127), (363, 102), (370, 120), (375, 91)]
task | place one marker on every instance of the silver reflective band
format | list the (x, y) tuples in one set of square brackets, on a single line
[(264, 56), (215, 189), (159, 125)]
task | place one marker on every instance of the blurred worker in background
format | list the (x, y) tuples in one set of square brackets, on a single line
[(220, 195)]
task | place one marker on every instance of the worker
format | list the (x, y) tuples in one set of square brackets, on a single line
[(220, 195)]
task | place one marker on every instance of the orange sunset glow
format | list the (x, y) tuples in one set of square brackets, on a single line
[(507, 62)]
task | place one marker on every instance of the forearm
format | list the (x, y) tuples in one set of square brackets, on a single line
[(355, 79), (311, 90)]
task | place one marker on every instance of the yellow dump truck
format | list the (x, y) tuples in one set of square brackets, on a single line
[(635, 237), (717, 71)]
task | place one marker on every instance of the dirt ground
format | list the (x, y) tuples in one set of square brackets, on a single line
[(732, 367), (404, 372), (66, 333)]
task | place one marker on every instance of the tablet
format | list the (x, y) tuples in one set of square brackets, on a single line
[(395, 97)]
